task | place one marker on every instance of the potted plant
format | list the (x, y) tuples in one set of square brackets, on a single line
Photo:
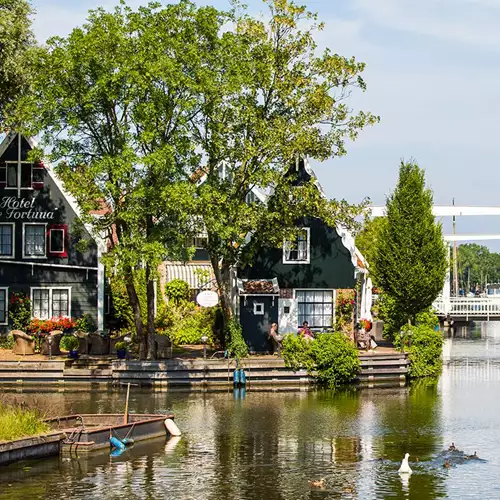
[(72, 345), (121, 350)]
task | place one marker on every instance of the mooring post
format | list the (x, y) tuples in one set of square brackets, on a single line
[(125, 417)]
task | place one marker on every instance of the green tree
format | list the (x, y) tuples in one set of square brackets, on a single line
[(114, 100), (369, 236), (16, 44), (410, 262), (266, 100)]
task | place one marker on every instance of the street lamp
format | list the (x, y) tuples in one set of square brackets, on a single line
[(204, 341)]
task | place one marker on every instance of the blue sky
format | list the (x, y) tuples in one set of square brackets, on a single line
[(433, 75)]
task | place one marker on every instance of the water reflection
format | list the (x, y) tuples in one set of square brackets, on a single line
[(255, 445)]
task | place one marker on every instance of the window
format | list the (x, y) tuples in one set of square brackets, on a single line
[(49, 303), (315, 307), (28, 176), (58, 240), (7, 240), (34, 240), (200, 242), (4, 317), (258, 308), (297, 250)]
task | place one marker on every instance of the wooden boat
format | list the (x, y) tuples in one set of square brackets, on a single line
[(88, 432)]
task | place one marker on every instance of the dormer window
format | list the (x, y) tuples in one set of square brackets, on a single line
[(297, 250)]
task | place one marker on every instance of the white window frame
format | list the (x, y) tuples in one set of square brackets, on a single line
[(256, 306), (6, 289), (304, 261), (13, 255), (56, 252), (44, 256), (51, 289), (334, 301), (18, 164)]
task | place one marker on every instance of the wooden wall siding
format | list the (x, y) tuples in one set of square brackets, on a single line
[(330, 264)]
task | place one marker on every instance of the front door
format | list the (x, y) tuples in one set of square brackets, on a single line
[(257, 313)]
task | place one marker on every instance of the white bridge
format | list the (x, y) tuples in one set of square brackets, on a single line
[(466, 308)]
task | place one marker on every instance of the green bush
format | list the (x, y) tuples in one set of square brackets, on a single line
[(235, 343), (69, 343), (86, 324), (331, 357), (121, 346), (19, 310), (190, 325), (424, 347), (6, 341), (177, 290)]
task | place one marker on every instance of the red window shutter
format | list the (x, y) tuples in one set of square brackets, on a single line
[(57, 240)]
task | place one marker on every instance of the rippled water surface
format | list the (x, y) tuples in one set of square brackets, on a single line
[(268, 445)]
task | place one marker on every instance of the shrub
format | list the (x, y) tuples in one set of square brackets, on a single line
[(122, 309), (424, 347), (235, 343), (344, 307), (19, 310), (6, 341), (121, 346), (177, 290), (191, 323), (86, 323), (331, 358), (70, 343)]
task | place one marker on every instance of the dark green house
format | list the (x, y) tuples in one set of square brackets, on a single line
[(297, 282), (39, 231)]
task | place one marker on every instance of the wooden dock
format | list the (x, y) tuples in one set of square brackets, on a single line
[(184, 372)]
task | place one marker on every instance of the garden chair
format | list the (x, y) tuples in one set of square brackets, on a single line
[(55, 349), (163, 346), (98, 344), (83, 342), (276, 343), (363, 339), (24, 343)]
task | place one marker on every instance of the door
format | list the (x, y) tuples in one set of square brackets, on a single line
[(257, 313)]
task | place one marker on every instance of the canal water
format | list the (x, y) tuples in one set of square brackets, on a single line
[(269, 445)]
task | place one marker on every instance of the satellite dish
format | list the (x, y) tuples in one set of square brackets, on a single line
[(207, 298)]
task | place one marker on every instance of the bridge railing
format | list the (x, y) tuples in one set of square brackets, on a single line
[(468, 306)]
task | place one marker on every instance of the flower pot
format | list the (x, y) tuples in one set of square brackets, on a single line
[(121, 353), (73, 354)]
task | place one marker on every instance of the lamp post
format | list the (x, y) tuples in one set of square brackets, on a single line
[(204, 340)]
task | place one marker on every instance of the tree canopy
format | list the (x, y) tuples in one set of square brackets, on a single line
[(16, 43), (410, 262)]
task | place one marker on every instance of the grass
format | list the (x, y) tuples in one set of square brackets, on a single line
[(17, 422)]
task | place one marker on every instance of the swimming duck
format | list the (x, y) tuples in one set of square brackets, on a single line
[(405, 468), (452, 447), (446, 464), (320, 483)]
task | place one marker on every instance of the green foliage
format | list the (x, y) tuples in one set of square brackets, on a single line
[(177, 290), (7, 341), (184, 323), (16, 45), (17, 422), (235, 342), (121, 303), (477, 266), (69, 343), (121, 346), (424, 347), (19, 311), (410, 262), (344, 307), (86, 323), (368, 238), (428, 319), (331, 358)]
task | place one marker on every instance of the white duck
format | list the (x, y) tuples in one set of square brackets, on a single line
[(405, 468)]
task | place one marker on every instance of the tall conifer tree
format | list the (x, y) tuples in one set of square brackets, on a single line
[(410, 262)]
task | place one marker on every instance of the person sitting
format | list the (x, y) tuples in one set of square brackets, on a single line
[(306, 332), (275, 338)]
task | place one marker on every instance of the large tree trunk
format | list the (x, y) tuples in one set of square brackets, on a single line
[(222, 276), (136, 308), (150, 293)]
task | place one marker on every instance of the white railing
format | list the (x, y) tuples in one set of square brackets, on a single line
[(483, 307)]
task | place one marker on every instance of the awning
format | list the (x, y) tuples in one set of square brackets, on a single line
[(197, 276), (258, 287)]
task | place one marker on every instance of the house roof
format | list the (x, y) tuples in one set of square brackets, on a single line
[(258, 287)]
